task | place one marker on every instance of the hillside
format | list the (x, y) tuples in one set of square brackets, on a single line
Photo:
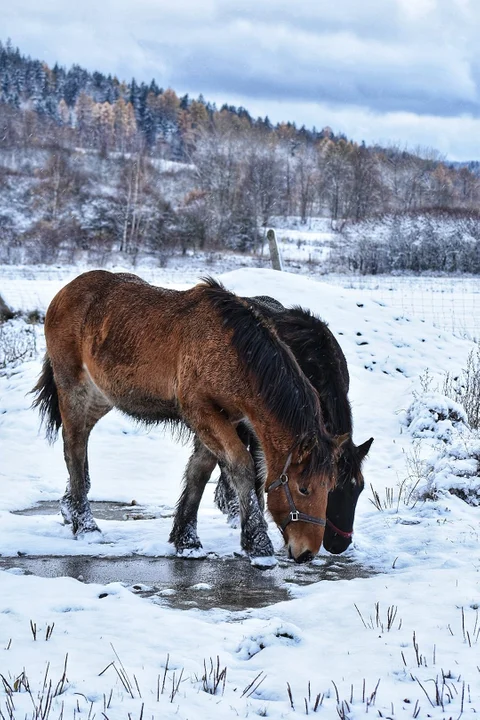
[(94, 167)]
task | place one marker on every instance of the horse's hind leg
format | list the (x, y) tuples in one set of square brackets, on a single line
[(66, 507), (226, 499), (225, 495), (198, 471), (80, 407)]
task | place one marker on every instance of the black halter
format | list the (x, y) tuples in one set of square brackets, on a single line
[(294, 515)]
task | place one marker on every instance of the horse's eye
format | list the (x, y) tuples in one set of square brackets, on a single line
[(304, 491)]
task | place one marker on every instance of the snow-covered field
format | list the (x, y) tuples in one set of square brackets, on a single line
[(403, 643)]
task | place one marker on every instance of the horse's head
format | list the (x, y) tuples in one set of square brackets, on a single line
[(342, 499), (297, 499)]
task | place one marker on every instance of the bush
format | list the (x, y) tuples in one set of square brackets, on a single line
[(434, 416), (428, 241), (465, 388), (17, 343), (441, 428)]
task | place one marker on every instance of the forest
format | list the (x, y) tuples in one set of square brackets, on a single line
[(96, 166)]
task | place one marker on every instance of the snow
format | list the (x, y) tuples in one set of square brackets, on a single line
[(452, 463), (434, 415), (398, 644)]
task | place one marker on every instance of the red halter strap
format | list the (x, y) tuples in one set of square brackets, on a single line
[(338, 531)]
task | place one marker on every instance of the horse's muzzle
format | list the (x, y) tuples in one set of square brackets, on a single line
[(335, 544), (304, 557)]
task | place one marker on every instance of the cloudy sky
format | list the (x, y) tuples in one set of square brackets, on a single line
[(404, 71)]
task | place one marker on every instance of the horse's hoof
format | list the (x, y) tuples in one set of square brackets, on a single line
[(257, 547), (187, 544), (264, 563)]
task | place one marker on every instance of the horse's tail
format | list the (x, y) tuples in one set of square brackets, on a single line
[(47, 401)]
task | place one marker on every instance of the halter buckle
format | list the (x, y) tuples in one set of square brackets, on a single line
[(283, 479), (294, 516)]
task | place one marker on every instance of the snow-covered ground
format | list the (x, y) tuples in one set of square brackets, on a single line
[(403, 643)]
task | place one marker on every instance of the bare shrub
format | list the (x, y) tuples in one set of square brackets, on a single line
[(17, 343), (465, 388)]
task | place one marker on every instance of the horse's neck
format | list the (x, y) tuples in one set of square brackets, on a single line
[(272, 449)]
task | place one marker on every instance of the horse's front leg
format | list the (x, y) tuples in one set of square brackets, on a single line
[(260, 470), (254, 538), (219, 435), (199, 469), (225, 495)]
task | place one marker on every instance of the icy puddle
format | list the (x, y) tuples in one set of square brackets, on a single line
[(185, 583), (100, 510)]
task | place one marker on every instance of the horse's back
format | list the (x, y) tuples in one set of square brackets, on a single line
[(81, 312), (136, 343), (94, 283)]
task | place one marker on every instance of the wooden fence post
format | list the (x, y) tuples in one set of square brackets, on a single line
[(275, 256)]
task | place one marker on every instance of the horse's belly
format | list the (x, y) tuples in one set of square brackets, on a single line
[(149, 409), (150, 404)]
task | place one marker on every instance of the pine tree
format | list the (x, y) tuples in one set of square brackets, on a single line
[(84, 118)]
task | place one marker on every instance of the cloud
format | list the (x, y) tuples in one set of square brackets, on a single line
[(385, 58)]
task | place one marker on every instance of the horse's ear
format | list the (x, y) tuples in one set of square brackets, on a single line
[(340, 441), (362, 450)]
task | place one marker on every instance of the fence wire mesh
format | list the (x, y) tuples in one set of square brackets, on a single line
[(449, 303)]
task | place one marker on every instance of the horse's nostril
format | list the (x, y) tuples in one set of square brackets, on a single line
[(290, 553), (306, 556)]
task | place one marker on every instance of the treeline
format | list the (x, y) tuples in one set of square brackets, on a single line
[(441, 241), (110, 114), (127, 167)]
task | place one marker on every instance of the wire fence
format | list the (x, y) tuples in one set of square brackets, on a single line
[(449, 303)]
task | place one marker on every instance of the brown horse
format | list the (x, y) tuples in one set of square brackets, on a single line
[(201, 357), (322, 360)]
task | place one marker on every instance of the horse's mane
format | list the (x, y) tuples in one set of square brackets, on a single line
[(319, 356), (322, 361), (286, 391)]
